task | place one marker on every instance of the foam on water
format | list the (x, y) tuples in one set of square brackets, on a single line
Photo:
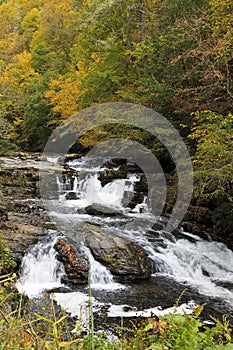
[(118, 310), (76, 303), (41, 270)]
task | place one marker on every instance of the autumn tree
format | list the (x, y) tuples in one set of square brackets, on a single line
[(213, 166)]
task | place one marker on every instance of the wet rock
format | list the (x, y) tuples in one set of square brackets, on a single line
[(115, 162), (75, 263), (141, 186), (158, 226), (50, 186), (19, 236), (59, 290), (201, 230), (71, 195), (125, 260), (18, 180), (131, 199), (130, 168), (101, 210), (21, 216), (107, 175)]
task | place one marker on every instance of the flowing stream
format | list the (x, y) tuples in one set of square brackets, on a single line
[(41, 270), (181, 259)]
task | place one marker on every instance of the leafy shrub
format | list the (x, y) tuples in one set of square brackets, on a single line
[(6, 260), (7, 148), (170, 332)]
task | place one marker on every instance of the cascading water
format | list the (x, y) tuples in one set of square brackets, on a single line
[(180, 258), (89, 190), (199, 263), (41, 270), (101, 277)]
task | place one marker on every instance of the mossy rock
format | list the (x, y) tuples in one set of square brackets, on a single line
[(125, 260)]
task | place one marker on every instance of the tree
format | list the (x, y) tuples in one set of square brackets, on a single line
[(213, 158), (214, 167)]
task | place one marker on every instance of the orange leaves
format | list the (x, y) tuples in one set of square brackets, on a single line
[(154, 324), (66, 91)]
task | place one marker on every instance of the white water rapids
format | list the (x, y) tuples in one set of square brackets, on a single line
[(206, 266), (41, 270)]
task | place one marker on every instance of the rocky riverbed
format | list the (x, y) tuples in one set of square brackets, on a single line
[(24, 221)]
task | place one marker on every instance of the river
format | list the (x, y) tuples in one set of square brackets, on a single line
[(182, 260)]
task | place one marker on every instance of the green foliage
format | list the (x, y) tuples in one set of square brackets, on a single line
[(183, 332), (34, 128), (172, 56), (99, 341), (213, 166), (22, 330), (6, 260), (7, 148), (222, 217), (213, 158)]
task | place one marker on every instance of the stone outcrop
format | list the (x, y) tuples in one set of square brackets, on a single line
[(107, 175), (76, 264), (21, 216), (18, 181), (19, 235), (101, 210), (125, 260)]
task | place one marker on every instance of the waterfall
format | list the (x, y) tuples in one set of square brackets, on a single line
[(89, 190), (101, 277), (75, 185), (189, 259), (178, 258), (110, 195), (63, 184), (41, 270), (202, 264)]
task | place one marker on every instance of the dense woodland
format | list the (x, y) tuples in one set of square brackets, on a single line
[(176, 57)]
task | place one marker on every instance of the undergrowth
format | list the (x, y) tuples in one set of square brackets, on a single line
[(6, 260), (22, 330)]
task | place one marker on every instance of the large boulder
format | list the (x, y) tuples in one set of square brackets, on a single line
[(75, 263), (125, 260), (101, 210), (107, 175)]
